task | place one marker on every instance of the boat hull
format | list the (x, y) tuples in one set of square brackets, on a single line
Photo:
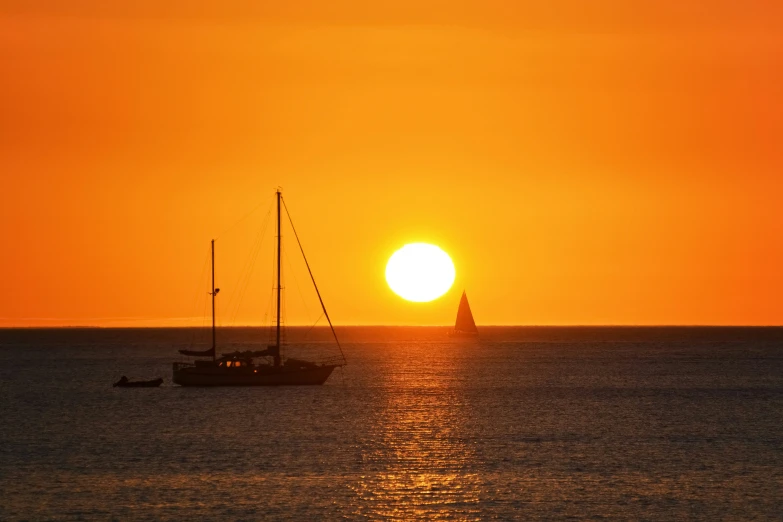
[(269, 376), (463, 335), (138, 384)]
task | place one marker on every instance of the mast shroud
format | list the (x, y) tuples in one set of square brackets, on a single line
[(214, 335), (312, 278), (279, 243)]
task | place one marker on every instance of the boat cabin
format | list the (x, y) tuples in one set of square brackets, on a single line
[(235, 363)]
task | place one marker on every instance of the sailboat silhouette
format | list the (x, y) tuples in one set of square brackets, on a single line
[(253, 367), (465, 326)]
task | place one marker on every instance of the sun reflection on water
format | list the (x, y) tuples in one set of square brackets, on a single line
[(420, 466)]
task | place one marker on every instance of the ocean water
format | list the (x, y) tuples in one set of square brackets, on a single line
[(527, 423)]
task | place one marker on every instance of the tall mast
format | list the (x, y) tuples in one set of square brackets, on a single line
[(279, 234), (213, 300)]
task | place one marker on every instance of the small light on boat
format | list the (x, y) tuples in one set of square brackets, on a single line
[(255, 371)]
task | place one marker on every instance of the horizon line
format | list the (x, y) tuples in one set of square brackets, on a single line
[(571, 325)]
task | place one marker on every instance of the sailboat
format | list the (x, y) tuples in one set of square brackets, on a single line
[(267, 367), (465, 326)]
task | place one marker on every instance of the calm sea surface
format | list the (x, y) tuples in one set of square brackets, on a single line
[(552, 423)]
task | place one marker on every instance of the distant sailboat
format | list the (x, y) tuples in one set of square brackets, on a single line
[(465, 326)]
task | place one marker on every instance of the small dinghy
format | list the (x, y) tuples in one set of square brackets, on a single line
[(125, 383)]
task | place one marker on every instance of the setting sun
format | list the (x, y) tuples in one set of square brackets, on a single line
[(420, 272)]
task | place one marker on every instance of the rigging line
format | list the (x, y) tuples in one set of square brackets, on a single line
[(243, 273), (323, 306), (204, 313), (307, 333), (283, 300), (244, 278), (237, 288), (246, 284), (296, 281), (273, 286), (267, 323), (230, 227), (196, 300)]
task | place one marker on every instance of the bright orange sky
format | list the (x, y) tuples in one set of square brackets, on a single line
[(603, 162)]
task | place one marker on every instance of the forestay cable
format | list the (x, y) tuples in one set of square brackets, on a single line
[(323, 307)]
